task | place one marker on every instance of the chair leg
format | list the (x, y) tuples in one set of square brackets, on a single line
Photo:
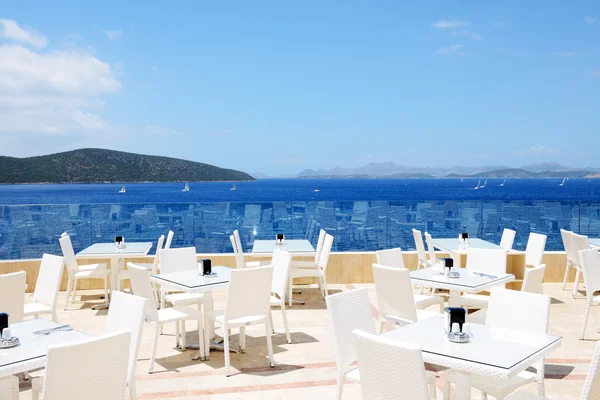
[(325, 290), (226, 349), (106, 289), (69, 288), (207, 337), (162, 305), (74, 291), (576, 283), (442, 307), (285, 323), (585, 317), (54, 319), (201, 345), (564, 285), (446, 389), (340, 386), (269, 344), (381, 322), (177, 334), (153, 349), (432, 391), (271, 320), (242, 339), (132, 390), (541, 388), (290, 284), (183, 336), (484, 395)]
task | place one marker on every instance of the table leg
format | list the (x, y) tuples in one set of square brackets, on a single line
[(462, 385), (454, 299)]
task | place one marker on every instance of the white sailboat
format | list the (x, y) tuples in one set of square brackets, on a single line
[(317, 190), (563, 182), (123, 190), (478, 185), (484, 184), (186, 188), (233, 187), (503, 183)]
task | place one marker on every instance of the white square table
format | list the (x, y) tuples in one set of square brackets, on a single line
[(470, 281), (115, 255), (594, 242), (32, 352), (494, 352), (191, 282), (296, 247), (451, 246)]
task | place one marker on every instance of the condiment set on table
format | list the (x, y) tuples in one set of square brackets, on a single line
[(447, 265), (119, 242), (279, 238), (7, 340), (455, 325)]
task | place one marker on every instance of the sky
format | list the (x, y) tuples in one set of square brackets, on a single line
[(280, 86)]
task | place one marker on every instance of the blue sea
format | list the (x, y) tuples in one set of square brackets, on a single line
[(267, 190)]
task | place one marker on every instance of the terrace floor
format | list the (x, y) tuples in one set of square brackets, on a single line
[(306, 368)]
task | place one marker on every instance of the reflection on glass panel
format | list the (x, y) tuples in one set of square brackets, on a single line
[(589, 223)]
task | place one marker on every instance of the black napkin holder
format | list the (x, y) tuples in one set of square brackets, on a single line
[(448, 262), (279, 237), (118, 239), (454, 315), (464, 235), (3, 321), (206, 266)]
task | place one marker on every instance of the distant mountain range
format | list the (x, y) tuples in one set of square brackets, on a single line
[(391, 170), (99, 165)]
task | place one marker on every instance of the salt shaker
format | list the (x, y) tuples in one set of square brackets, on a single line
[(455, 328), (6, 334)]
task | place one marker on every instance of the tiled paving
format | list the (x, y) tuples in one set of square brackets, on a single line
[(306, 368)]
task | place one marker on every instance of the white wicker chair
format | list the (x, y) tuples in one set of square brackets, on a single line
[(76, 272), (313, 263), (534, 252), (420, 246), (281, 271), (590, 265), (430, 249), (151, 267), (580, 242), (239, 254), (534, 277), (46, 287), (348, 311), (320, 273), (242, 309), (572, 254), (12, 298), (511, 309), (9, 388), (93, 369), (390, 258), (508, 239), (390, 370), (489, 261), (170, 235), (591, 386), (396, 301), (140, 283)]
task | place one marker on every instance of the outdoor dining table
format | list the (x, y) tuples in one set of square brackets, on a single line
[(32, 351), (296, 247), (192, 282), (116, 256), (497, 353), (452, 247), (470, 281)]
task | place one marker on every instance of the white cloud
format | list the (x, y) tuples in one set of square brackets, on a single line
[(564, 54), (155, 69), (450, 24), (540, 150), (114, 34), (453, 50), (11, 31), (590, 20)]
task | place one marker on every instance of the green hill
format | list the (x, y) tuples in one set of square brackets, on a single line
[(99, 165)]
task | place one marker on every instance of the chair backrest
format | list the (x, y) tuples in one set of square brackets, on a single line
[(239, 256), (492, 261), (169, 239), (580, 242), (591, 386), (156, 262), (389, 370), (320, 243), (390, 257), (420, 247), (534, 252), (521, 311), (140, 285), (249, 292), (280, 262), (430, 249), (590, 266), (394, 292), (348, 311), (238, 240), (534, 277), (177, 260), (325, 252), (127, 312), (508, 239), (94, 369), (570, 250), (48, 280), (12, 298), (68, 253)]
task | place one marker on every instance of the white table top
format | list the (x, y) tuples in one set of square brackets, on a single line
[(109, 249), (190, 281), (595, 242), (291, 246), (32, 351), (452, 244), (492, 351), (470, 281)]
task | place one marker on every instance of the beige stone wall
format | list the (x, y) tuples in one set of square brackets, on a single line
[(350, 267)]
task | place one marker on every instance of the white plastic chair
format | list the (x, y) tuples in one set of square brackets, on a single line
[(313, 263), (390, 258), (242, 309), (9, 388), (517, 310), (12, 295), (580, 242), (488, 261), (348, 311), (240, 260), (390, 370), (281, 263), (572, 254), (430, 249), (76, 272), (591, 386), (534, 277), (178, 260), (590, 265), (420, 246), (534, 252), (140, 283), (396, 301), (320, 272), (92, 369), (46, 287), (151, 267), (508, 239)]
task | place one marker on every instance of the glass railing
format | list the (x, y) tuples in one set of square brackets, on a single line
[(28, 231)]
